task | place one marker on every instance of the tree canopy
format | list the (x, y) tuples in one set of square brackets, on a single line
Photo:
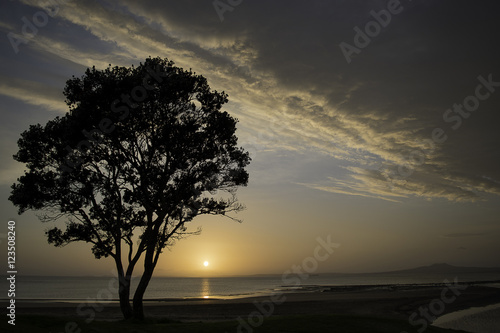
[(142, 151)]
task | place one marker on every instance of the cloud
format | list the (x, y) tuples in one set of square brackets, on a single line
[(291, 88), (34, 93)]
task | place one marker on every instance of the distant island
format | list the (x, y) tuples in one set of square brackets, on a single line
[(442, 268)]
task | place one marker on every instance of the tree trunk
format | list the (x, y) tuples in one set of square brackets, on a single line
[(138, 306), (150, 260), (124, 293), (124, 287)]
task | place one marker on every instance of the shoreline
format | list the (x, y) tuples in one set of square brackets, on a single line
[(286, 290), (394, 303), (485, 319)]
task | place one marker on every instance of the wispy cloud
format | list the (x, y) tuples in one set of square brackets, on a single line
[(34, 93), (291, 88)]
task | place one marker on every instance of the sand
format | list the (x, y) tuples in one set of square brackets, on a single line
[(400, 304), (476, 319)]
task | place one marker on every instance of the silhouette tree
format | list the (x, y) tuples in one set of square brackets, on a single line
[(141, 152)]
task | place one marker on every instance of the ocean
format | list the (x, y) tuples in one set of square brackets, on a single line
[(105, 288)]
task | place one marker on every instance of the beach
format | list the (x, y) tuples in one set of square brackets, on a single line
[(476, 319), (401, 303)]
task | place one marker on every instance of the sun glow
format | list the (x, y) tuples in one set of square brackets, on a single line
[(206, 263)]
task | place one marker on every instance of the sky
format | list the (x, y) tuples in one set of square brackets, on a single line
[(371, 124)]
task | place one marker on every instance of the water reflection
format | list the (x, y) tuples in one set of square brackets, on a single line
[(205, 288)]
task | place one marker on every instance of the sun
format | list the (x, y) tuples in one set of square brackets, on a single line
[(206, 263)]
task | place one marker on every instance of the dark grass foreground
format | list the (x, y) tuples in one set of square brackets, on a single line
[(305, 323)]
